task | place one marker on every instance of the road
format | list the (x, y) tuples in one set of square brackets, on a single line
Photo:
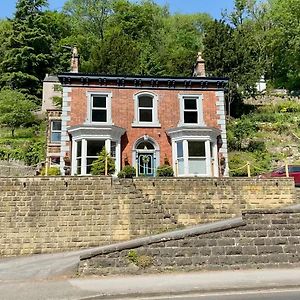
[(293, 294)]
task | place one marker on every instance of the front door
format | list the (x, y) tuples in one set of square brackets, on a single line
[(146, 164)]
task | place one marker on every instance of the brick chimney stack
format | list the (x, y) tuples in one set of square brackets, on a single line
[(75, 60), (199, 70)]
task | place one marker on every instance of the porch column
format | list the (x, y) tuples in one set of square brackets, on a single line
[(107, 145), (186, 157), (83, 156), (216, 161), (208, 158), (118, 156), (74, 158)]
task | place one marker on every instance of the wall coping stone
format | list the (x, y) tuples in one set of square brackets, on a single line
[(173, 235), (284, 210)]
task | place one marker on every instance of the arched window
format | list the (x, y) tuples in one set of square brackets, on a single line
[(145, 108)]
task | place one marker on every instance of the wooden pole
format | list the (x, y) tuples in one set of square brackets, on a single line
[(287, 170), (248, 169), (176, 168), (106, 166), (136, 170), (46, 167)]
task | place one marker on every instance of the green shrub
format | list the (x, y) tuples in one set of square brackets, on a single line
[(127, 172), (98, 166), (164, 171), (52, 171), (256, 146)]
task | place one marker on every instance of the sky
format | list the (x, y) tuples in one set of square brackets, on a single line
[(213, 7)]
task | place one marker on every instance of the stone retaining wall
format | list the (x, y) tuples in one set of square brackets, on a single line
[(52, 214), (257, 240)]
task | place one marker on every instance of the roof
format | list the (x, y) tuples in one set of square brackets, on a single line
[(148, 82), (51, 78)]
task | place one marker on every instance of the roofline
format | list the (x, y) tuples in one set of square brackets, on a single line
[(137, 77), (142, 82)]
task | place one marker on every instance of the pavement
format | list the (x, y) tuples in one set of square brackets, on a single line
[(40, 283)]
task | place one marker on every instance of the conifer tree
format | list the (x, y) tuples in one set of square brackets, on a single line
[(28, 49)]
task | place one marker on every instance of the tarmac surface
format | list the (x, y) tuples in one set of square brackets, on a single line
[(50, 277)]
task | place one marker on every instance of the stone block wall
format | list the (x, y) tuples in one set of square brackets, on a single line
[(260, 240), (52, 214)]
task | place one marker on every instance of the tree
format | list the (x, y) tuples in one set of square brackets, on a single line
[(15, 110), (284, 43), (28, 50), (104, 159)]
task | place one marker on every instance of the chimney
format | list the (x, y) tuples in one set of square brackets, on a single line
[(74, 60), (199, 70)]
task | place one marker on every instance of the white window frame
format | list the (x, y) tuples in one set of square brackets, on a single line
[(55, 131), (199, 110), (108, 96), (136, 121), (186, 157)]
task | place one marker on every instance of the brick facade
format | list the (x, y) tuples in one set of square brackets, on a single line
[(121, 132)]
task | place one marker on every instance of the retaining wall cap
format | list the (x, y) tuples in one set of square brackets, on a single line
[(288, 209), (173, 235)]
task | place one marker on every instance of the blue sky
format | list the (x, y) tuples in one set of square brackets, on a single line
[(213, 7)]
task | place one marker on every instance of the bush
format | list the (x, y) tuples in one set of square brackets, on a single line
[(256, 146), (98, 166), (127, 172), (52, 171), (164, 171)]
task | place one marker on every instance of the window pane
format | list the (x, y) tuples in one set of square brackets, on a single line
[(145, 145), (294, 169), (191, 117), (196, 149), (113, 149), (179, 149), (55, 137), (99, 116), (79, 149), (145, 101), (99, 101), (56, 125), (55, 160), (197, 166), (89, 163), (190, 104), (94, 147), (180, 166), (145, 115), (78, 166)]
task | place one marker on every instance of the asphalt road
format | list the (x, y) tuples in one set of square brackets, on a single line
[(252, 295)]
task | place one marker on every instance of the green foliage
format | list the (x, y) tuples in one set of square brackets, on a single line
[(28, 49), (132, 256), (15, 110), (57, 101), (52, 171), (164, 171), (142, 261), (98, 166), (239, 133), (127, 172), (34, 152)]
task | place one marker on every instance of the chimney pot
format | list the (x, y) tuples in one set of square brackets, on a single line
[(199, 70)]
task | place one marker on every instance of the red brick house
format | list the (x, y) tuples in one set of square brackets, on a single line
[(144, 122)]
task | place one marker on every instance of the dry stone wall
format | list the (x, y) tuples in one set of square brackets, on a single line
[(52, 214)]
